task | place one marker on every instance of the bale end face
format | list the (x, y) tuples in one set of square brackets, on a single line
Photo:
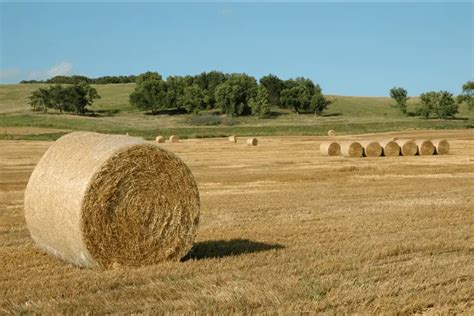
[(371, 148), (407, 147), (390, 148), (252, 142), (442, 146), (352, 149), (174, 139), (425, 147), (330, 149)]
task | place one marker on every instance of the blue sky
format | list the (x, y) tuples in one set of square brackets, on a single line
[(348, 48)]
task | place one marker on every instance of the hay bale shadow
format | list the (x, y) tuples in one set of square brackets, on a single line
[(225, 248)]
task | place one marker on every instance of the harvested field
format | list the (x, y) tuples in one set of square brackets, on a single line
[(282, 229)]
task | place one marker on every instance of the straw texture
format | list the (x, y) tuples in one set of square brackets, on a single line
[(100, 200), (425, 147), (352, 149), (407, 147), (371, 148), (252, 142), (330, 149), (441, 146), (390, 148)]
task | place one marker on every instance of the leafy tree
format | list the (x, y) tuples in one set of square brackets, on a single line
[(40, 100), (467, 95), (297, 98), (174, 91), (400, 96), (439, 104), (234, 95), (193, 99), (318, 102), (274, 86), (150, 94), (149, 75), (259, 104), (73, 98)]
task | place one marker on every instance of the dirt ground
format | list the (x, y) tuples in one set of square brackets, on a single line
[(283, 229)]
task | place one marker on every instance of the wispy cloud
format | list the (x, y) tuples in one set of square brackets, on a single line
[(63, 68), (9, 74), (226, 12)]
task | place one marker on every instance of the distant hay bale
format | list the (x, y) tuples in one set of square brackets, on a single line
[(407, 147), (394, 138), (352, 149), (330, 149), (390, 148), (174, 139), (425, 147), (100, 200), (252, 142), (332, 132), (371, 148), (160, 139), (233, 139), (442, 146)]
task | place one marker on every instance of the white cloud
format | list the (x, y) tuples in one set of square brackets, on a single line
[(63, 68), (9, 74)]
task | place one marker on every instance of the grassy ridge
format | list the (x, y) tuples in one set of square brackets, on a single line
[(113, 114)]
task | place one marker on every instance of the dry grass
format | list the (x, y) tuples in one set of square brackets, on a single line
[(283, 229)]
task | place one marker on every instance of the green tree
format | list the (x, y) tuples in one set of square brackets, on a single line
[(438, 104), (149, 75), (467, 95), (318, 102), (274, 86), (193, 99), (40, 100), (79, 96), (259, 104), (297, 98), (234, 95), (400, 96), (150, 95)]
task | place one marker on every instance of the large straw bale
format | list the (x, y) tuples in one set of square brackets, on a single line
[(407, 147), (441, 146), (390, 148), (352, 149), (252, 142), (100, 200), (330, 149), (371, 148), (425, 147)]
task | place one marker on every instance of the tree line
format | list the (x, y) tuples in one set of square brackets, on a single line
[(435, 104), (78, 79)]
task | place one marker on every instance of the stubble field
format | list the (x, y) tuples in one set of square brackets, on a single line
[(282, 229)]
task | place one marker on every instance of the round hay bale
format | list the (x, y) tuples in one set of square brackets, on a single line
[(160, 139), (100, 200), (352, 149), (407, 147), (425, 147), (331, 132), (233, 139), (174, 139), (330, 149), (441, 146), (394, 138), (252, 142), (390, 148), (371, 148)]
